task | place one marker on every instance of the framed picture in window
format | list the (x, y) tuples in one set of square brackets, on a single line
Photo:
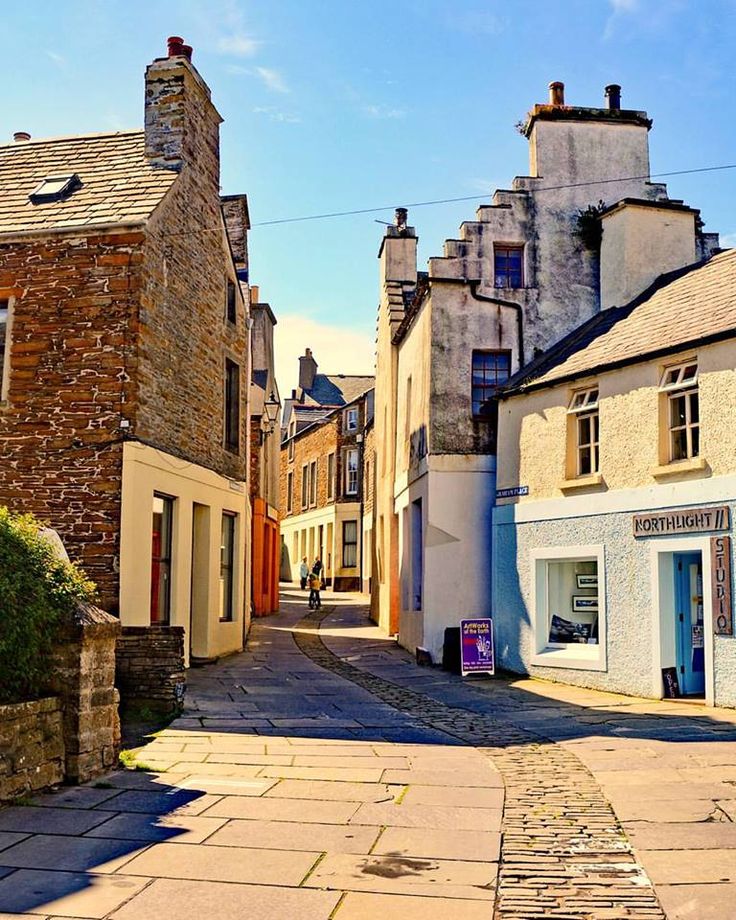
[(589, 580), (581, 604)]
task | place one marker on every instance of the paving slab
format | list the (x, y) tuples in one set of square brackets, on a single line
[(270, 809), (66, 894), (391, 874), (28, 819), (364, 760), (686, 866), (225, 785), (459, 777), (371, 906), (476, 846), (335, 791), (346, 774), (74, 797), (705, 835), (223, 864), (193, 900), (294, 835), (439, 817), (158, 828), (697, 902), (70, 854), (175, 800), (7, 839), (454, 795)]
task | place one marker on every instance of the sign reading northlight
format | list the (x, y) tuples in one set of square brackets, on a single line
[(685, 520)]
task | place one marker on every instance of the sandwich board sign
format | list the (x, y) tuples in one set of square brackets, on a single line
[(476, 647)]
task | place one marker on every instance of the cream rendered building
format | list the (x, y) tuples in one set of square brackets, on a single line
[(520, 276), (613, 568)]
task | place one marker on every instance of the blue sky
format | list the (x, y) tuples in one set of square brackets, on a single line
[(332, 105)]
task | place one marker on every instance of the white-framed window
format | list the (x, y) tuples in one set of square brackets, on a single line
[(5, 323), (351, 419), (330, 477), (679, 386), (289, 491), (305, 485), (351, 471), (584, 406), (569, 607), (313, 483), (349, 544)]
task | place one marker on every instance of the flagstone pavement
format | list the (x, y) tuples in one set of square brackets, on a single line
[(322, 774)]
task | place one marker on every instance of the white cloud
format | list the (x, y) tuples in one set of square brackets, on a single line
[(239, 44), (273, 79), (275, 115), (237, 69), (336, 349), (383, 111)]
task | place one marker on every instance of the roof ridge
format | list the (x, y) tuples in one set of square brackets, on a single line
[(14, 145)]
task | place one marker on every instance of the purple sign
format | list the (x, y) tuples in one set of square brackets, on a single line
[(476, 647)]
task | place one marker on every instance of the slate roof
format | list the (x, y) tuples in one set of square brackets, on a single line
[(680, 310), (336, 389), (119, 185)]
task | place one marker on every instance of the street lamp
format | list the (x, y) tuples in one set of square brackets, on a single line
[(271, 408)]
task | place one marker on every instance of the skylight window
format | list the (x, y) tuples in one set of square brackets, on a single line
[(54, 188)]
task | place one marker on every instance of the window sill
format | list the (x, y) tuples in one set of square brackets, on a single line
[(576, 657), (582, 482), (695, 466)]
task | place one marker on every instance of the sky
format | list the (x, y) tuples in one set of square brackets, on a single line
[(331, 106)]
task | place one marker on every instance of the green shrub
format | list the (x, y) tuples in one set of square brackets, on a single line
[(36, 590)]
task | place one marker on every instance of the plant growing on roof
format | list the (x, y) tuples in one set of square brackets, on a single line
[(590, 229), (37, 589)]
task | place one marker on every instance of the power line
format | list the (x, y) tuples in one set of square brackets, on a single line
[(543, 188)]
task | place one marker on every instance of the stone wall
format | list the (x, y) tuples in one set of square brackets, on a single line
[(150, 668), (31, 747)]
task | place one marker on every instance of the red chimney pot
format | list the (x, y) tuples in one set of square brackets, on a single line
[(186, 50), (175, 45)]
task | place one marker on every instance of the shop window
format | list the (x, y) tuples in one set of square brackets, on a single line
[(163, 515), (583, 410), (227, 566), (349, 544), (351, 472), (569, 607), (330, 477), (232, 406), (508, 266), (679, 390)]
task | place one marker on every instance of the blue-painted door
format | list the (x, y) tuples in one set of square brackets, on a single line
[(689, 637)]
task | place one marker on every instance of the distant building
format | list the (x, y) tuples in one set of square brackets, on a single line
[(613, 533), (322, 474), (520, 276), (265, 450), (124, 360)]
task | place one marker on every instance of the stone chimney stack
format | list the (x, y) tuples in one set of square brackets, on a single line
[(307, 370), (182, 125)]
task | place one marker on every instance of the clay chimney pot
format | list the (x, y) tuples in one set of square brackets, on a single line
[(21, 137), (556, 93), (175, 45)]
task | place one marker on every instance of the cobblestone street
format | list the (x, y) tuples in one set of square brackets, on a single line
[(323, 774)]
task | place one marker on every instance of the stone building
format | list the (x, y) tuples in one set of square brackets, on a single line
[(125, 360), (265, 451), (617, 453), (322, 474), (520, 276)]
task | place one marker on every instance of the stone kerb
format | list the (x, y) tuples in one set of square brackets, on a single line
[(31, 747), (82, 673), (150, 669)]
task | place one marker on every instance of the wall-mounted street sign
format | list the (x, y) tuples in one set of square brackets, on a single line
[(512, 493), (684, 520), (720, 585), (476, 647)]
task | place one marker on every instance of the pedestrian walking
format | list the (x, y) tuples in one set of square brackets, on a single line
[(317, 568), (315, 583), (304, 573)]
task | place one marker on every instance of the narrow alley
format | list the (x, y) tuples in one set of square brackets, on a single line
[(322, 774)]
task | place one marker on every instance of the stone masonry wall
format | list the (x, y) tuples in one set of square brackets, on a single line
[(150, 668), (31, 747), (72, 382)]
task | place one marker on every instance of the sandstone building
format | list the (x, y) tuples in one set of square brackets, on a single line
[(523, 274), (323, 461), (125, 360)]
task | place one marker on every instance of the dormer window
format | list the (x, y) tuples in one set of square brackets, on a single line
[(55, 188)]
